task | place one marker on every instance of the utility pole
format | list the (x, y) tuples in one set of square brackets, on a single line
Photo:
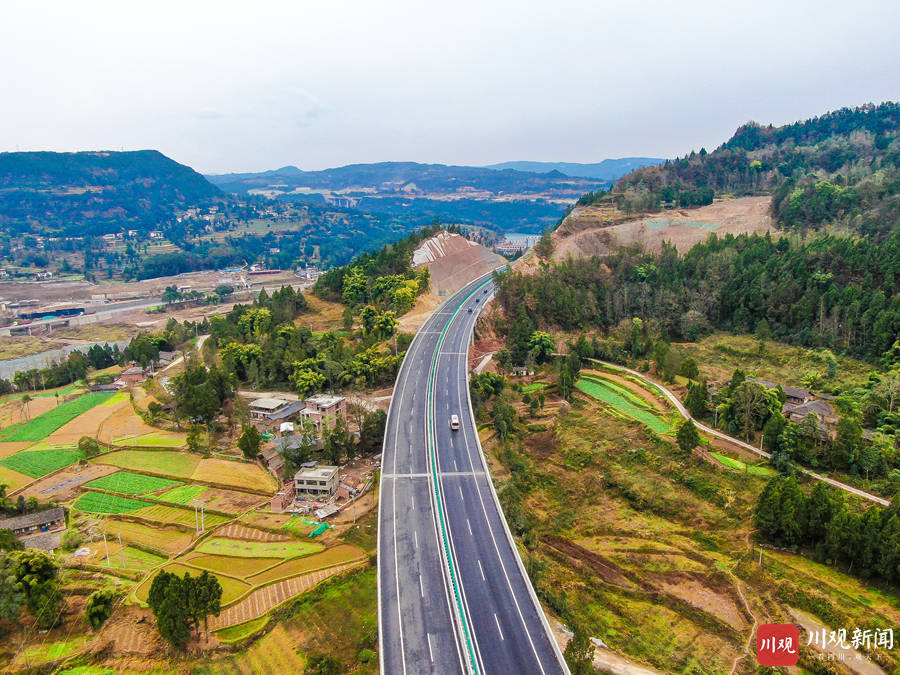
[(106, 547), (122, 551)]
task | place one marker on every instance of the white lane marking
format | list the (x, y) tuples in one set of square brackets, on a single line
[(481, 569), (455, 465), (421, 588), (430, 653), (498, 627), (470, 526), (460, 493), (412, 501), (416, 539)]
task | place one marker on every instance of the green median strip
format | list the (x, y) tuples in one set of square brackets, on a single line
[(429, 405)]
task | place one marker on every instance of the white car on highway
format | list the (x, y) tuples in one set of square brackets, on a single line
[(454, 422)]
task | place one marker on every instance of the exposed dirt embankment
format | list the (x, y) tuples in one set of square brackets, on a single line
[(453, 262), (595, 230)]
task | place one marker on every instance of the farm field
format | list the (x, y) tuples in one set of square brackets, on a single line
[(238, 567), (228, 501), (341, 554), (132, 483), (13, 479), (254, 549), (277, 521), (742, 466), (165, 539), (124, 427), (179, 465), (38, 428), (88, 422), (241, 631), (237, 530), (268, 597), (187, 466), (129, 557), (276, 652), (102, 503), (45, 653), (38, 463), (178, 516), (232, 588), (623, 401), (7, 449)]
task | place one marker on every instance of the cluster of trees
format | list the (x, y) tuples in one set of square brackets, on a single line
[(74, 367), (867, 543), (179, 604), (30, 579), (200, 392), (260, 344), (836, 292), (383, 279), (339, 444)]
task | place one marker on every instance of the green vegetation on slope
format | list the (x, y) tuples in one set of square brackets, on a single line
[(45, 424)]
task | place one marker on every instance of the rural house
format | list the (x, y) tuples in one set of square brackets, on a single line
[(131, 375), (323, 409), (826, 415), (793, 395), (273, 408), (32, 523), (317, 480)]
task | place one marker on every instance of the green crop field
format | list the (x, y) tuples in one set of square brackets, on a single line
[(159, 439), (135, 559), (621, 390), (241, 631), (534, 386), (43, 425), (597, 389), (258, 549), (52, 651), (132, 483), (162, 462), (183, 494), (37, 463), (98, 502), (173, 514), (741, 466)]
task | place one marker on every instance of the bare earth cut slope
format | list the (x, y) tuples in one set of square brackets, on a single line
[(453, 262), (594, 230)]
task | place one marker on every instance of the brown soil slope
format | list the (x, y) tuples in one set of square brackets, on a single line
[(591, 231), (453, 262)]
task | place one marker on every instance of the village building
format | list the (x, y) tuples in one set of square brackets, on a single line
[(323, 410), (318, 480), (794, 395), (273, 408), (33, 523), (132, 375), (282, 501)]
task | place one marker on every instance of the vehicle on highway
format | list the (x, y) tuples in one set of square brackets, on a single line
[(470, 310), (454, 422)]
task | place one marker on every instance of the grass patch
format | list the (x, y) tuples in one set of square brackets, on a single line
[(602, 392), (99, 502), (159, 439), (45, 424), (45, 653), (242, 631), (132, 483), (534, 386), (235, 474), (275, 652), (13, 479), (258, 549), (37, 463), (182, 494)]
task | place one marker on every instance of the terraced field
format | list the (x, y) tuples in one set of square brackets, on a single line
[(175, 515), (258, 549), (166, 540), (102, 503), (133, 558), (127, 483), (232, 588), (38, 463), (337, 555), (623, 401), (45, 424)]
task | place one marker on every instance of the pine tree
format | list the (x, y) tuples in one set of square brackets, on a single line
[(687, 436)]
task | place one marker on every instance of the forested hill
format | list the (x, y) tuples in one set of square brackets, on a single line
[(842, 167), (93, 193)]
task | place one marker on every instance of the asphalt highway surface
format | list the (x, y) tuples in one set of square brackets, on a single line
[(453, 596)]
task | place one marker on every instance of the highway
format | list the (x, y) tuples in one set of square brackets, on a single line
[(453, 596)]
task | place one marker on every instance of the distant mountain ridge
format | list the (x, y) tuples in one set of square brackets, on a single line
[(79, 193), (607, 170), (440, 178)]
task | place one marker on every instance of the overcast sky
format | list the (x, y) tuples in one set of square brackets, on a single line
[(254, 85)]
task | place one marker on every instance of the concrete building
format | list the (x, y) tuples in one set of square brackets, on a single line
[(283, 500), (273, 408), (318, 480), (323, 410), (32, 523)]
